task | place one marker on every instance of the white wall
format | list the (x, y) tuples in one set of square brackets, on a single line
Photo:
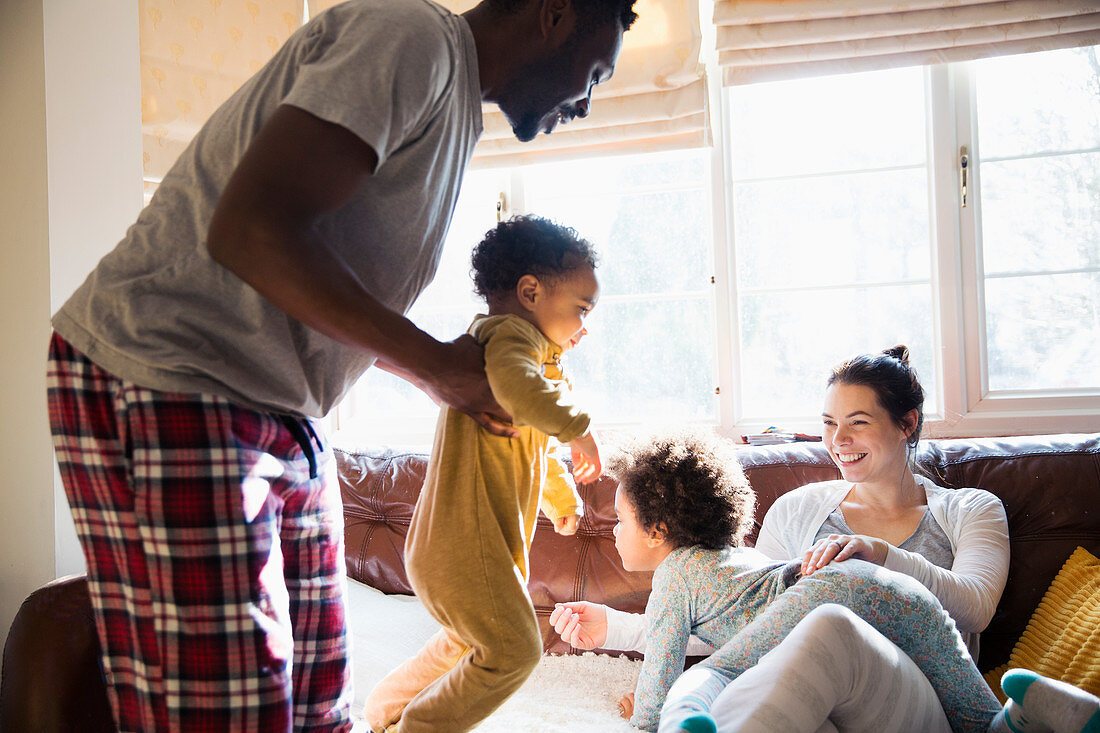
[(93, 117), (70, 183), (26, 494)]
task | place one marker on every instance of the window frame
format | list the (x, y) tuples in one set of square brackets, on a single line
[(984, 411), (966, 407)]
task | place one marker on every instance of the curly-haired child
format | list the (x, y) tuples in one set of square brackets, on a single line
[(683, 507), (467, 548)]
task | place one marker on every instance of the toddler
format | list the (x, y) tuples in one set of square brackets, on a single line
[(467, 548)]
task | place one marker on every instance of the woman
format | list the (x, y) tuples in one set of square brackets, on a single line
[(682, 506), (954, 542)]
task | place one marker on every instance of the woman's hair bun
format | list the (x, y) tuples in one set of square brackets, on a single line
[(899, 352)]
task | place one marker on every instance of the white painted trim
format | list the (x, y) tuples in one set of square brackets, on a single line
[(945, 210), (93, 126), (26, 506), (726, 323)]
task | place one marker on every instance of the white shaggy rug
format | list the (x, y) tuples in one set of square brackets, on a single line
[(578, 694), (567, 694)]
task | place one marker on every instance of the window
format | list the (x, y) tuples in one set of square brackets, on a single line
[(651, 343), (650, 351), (831, 232), (1038, 233), (827, 221)]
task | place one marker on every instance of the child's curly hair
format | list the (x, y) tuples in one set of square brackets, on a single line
[(690, 484), (526, 245)]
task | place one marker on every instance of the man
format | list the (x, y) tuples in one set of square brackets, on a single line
[(272, 267)]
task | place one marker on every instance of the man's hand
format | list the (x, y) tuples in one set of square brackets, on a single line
[(567, 525), (455, 376), (585, 451), (580, 624), (840, 547)]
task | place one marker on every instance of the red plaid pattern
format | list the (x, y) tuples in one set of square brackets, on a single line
[(215, 563)]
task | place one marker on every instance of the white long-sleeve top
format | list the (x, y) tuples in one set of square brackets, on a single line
[(974, 521)]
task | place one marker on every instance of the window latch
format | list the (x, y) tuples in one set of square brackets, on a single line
[(964, 162)]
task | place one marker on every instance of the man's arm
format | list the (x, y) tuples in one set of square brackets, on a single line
[(298, 169)]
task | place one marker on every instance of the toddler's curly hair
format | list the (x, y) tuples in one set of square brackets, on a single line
[(689, 483), (526, 245)]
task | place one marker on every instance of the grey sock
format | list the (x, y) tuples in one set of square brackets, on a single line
[(1011, 719), (1039, 704)]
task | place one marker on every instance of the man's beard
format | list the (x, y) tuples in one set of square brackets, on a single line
[(527, 128), (527, 122)]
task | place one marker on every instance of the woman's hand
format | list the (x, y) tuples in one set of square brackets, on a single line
[(840, 547), (580, 624), (626, 706)]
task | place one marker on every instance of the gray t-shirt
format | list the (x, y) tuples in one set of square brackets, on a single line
[(400, 74), (928, 539)]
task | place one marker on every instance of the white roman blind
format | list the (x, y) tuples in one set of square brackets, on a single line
[(769, 40), (194, 55), (656, 100)]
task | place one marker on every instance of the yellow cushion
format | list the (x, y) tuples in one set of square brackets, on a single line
[(1062, 639)]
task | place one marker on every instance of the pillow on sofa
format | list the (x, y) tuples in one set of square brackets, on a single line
[(1062, 639)]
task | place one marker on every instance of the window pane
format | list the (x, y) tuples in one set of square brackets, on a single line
[(646, 361), (1039, 143), (649, 220), (1041, 214), (790, 344), (847, 122), (634, 233), (845, 229), (831, 194), (1043, 330), (650, 353), (1039, 102)]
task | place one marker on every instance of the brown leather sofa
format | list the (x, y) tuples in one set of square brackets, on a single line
[(1050, 486)]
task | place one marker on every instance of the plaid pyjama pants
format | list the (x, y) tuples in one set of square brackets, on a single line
[(213, 536)]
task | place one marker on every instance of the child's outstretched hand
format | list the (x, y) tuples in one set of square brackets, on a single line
[(587, 466), (626, 705), (580, 623), (567, 525)]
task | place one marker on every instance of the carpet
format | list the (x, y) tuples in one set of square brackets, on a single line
[(578, 694), (566, 694)]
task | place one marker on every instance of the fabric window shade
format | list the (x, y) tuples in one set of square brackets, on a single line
[(764, 40), (194, 55), (656, 99)]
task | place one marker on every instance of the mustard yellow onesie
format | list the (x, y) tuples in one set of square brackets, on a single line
[(466, 551)]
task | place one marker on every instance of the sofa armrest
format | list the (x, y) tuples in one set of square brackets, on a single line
[(52, 678)]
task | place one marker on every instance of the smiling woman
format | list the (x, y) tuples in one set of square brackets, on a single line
[(955, 542)]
